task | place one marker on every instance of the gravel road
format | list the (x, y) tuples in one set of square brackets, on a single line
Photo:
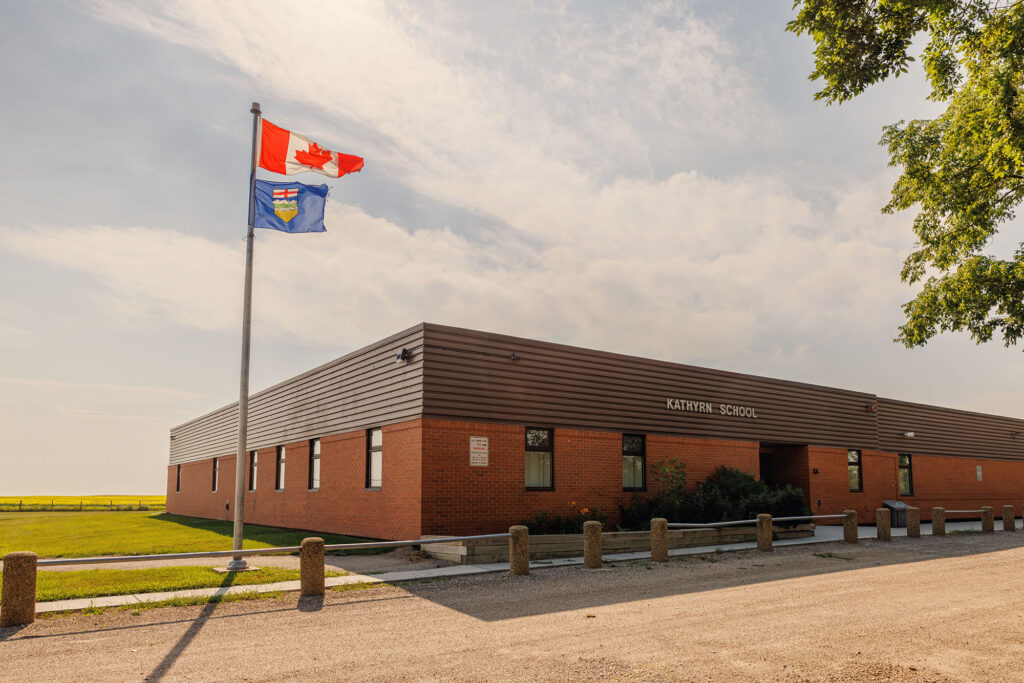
[(929, 609)]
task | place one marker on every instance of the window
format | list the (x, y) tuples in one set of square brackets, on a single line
[(906, 476), (855, 470), (539, 458), (177, 484), (253, 462), (216, 462), (374, 458), (633, 460), (314, 465), (279, 473)]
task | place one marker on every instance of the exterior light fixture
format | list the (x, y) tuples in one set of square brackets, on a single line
[(909, 435), (403, 355), (871, 408)]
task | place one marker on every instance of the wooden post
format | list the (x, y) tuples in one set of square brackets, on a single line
[(311, 566), (1009, 519), (764, 533), (592, 544), (913, 522), (18, 601), (987, 519), (519, 551), (938, 521), (850, 526), (659, 539), (883, 525)]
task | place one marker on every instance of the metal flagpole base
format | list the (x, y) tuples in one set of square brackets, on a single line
[(237, 564)]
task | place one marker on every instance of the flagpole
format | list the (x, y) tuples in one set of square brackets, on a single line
[(238, 562)]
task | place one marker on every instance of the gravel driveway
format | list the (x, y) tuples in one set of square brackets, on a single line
[(928, 609)]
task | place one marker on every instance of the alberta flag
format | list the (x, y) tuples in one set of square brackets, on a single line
[(290, 207)]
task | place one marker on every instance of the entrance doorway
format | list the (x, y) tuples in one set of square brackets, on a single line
[(766, 468), (785, 464)]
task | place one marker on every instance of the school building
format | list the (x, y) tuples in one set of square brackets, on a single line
[(441, 430)]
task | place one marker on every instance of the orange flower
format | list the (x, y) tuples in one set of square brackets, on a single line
[(584, 511)]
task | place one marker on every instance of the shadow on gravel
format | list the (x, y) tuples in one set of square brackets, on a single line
[(496, 597), (197, 625), (9, 631), (311, 603)]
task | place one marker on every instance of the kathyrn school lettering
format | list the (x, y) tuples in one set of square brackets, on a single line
[(688, 406)]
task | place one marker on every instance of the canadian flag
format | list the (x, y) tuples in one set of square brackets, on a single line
[(282, 151)]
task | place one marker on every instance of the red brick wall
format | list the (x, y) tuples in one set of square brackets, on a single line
[(341, 505), (938, 481), (460, 499), (440, 493), (196, 499)]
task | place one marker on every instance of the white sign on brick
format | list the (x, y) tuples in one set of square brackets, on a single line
[(478, 451)]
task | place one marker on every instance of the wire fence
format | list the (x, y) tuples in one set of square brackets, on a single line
[(80, 505)]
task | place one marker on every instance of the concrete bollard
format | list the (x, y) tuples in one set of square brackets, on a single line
[(18, 602), (988, 524), (311, 566), (1009, 519), (883, 524), (913, 522), (659, 539), (519, 551), (592, 544), (850, 526), (764, 533), (938, 521)]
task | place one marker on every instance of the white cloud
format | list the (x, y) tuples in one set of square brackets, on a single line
[(702, 269)]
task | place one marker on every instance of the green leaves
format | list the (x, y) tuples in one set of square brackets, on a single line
[(963, 172)]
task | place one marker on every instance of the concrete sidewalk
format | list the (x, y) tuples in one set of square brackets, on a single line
[(822, 534)]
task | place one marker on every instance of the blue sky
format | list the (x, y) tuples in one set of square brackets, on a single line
[(647, 178)]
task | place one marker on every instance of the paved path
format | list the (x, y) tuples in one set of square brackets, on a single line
[(823, 534), (929, 609)]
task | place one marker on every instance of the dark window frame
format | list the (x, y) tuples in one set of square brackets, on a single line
[(313, 483), (550, 450), (643, 461), (370, 450), (859, 464), (177, 483), (216, 472), (280, 461), (253, 465), (909, 467)]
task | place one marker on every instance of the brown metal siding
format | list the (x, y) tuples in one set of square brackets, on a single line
[(944, 431), (469, 375), (362, 389)]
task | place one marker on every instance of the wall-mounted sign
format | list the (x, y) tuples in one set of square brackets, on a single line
[(730, 409), (478, 451)]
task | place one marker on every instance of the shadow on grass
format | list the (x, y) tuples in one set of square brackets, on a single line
[(272, 536)]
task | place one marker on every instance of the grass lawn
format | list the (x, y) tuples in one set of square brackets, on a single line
[(87, 534), (91, 583), (80, 503)]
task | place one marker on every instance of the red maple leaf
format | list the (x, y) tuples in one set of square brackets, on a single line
[(315, 156)]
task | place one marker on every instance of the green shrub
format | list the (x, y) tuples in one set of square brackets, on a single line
[(728, 494), (572, 523)]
